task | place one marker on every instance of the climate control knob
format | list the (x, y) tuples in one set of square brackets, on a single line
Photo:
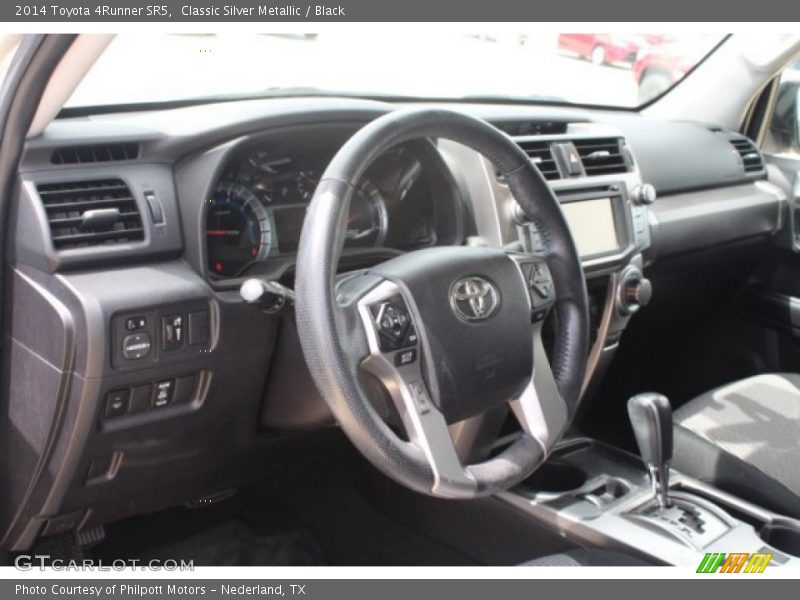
[(644, 194), (635, 291)]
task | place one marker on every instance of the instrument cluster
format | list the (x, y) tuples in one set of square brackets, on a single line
[(257, 208)]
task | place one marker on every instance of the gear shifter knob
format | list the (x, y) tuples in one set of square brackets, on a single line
[(651, 418)]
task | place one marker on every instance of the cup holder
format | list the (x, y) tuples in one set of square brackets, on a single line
[(555, 477), (782, 535)]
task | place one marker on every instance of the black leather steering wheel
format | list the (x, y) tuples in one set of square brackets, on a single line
[(450, 332)]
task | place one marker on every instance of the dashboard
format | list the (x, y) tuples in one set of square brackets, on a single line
[(132, 234)]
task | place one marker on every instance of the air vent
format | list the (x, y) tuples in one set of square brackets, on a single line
[(747, 150), (601, 156), (91, 213), (72, 155), (542, 156)]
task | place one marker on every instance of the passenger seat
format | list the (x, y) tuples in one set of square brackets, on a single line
[(744, 438)]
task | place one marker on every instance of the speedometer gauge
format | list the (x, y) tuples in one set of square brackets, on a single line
[(238, 230)]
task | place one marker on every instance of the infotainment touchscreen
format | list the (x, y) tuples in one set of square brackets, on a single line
[(592, 225)]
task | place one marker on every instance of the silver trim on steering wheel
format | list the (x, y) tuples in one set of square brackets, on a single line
[(424, 423)]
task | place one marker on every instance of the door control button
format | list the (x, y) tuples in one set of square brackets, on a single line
[(116, 403), (136, 346), (162, 395), (172, 332)]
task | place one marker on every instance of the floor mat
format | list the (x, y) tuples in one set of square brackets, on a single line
[(232, 543), (354, 532)]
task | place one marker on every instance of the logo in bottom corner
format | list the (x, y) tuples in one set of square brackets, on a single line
[(734, 562)]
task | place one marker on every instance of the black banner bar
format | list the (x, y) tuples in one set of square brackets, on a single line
[(745, 586), (266, 11)]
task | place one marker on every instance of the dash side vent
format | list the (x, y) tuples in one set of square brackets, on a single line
[(96, 153), (541, 155), (601, 156), (747, 150), (91, 213)]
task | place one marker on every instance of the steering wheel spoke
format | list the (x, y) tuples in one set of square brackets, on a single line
[(394, 358), (540, 409)]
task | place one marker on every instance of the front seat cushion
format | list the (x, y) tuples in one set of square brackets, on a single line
[(744, 437)]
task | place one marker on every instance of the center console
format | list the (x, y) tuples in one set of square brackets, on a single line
[(601, 496)]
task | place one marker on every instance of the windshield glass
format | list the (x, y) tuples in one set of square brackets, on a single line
[(602, 69)]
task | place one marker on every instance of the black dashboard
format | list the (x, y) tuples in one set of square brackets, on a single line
[(156, 383)]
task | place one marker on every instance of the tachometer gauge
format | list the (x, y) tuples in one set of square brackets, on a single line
[(368, 220), (238, 230), (306, 182)]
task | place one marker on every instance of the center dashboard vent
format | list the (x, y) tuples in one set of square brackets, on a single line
[(541, 155), (95, 153), (91, 213), (602, 156)]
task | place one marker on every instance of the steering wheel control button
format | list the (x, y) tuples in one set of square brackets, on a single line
[(540, 288), (163, 393), (393, 324), (136, 346), (411, 337), (135, 323), (405, 357), (116, 403), (420, 395), (537, 316), (172, 332), (540, 281)]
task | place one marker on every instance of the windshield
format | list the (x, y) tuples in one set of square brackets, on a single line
[(623, 70)]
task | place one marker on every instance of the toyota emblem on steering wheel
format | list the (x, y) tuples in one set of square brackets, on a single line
[(474, 299)]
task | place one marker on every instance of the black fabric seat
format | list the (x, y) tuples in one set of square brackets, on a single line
[(588, 557), (744, 438)]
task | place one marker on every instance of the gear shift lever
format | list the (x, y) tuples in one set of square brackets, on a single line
[(651, 418)]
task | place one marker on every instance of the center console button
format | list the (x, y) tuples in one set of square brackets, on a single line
[(140, 398), (184, 389), (162, 395), (172, 332), (135, 323), (136, 346), (199, 328), (116, 403)]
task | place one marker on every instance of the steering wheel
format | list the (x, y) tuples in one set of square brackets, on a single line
[(450, 332)]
